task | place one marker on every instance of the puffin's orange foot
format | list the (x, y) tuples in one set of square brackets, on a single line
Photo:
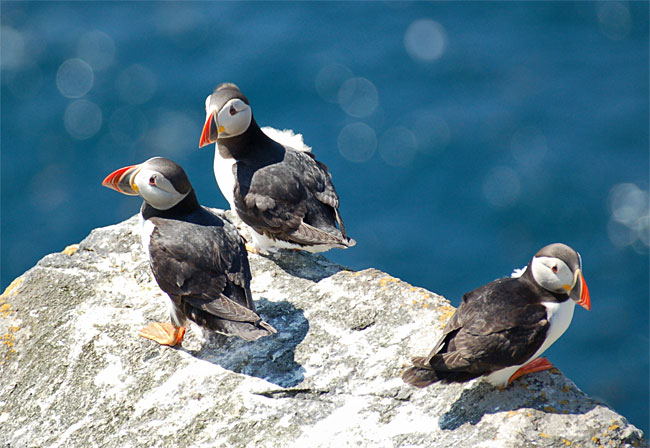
[(534, 366), (163, 333), (252, 249)]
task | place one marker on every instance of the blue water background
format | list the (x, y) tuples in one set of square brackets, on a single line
[(499, 127)]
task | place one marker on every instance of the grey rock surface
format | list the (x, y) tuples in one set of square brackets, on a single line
[(75, 373)]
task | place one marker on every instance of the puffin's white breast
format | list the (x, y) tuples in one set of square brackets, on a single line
[(265, 244), (146, 229), (225, 177), (560, 316)]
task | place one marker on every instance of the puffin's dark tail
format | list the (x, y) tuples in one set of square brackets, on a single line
[(246, 330), (420, 375), (249, 330)]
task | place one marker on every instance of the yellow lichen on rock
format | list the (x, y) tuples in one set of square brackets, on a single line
[(386, 280), (71, 249), (446, 311), (11, 289), (8, 340), (5, 310)]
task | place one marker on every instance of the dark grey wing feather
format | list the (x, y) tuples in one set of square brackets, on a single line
[(290, 198), (224, 308), (309, 235), (184, 261), (494, 327), (204, 265)]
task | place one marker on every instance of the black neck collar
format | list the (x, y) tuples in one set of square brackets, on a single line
[(189, 204), (239, 146)]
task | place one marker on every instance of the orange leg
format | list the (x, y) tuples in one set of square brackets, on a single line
[(534, 366), (252, 249), (163, 333)]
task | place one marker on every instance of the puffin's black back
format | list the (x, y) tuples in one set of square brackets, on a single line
[(497, 325)]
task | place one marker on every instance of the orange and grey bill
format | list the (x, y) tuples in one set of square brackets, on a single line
[(120, 180), (210, 132)]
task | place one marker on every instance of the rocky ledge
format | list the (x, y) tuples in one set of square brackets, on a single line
[(75, 373)]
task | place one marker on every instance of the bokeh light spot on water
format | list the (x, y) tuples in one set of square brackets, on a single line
[(171, 133), (358, 97), (425, 39), (127, 125), (501, 187), (82, 119), (528, 146), (619, 234), (329, 80), (398, 146), (627, 203), (182, 23), (12, 48), (357, 142), (97, 48), (48, 188), (614, 19), (74, 78), (432, 133), (135, 84), (25, 82), (630, 215), (644, 229)]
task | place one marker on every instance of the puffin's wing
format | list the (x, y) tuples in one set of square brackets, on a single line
[(279, 197), (183, 259), (234, 261), (307, 234), (223, 308), (320, 183), (198, 263), (489, 331)]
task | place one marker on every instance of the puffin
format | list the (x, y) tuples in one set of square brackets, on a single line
[(197, 258), (275, 185), (501, 329)]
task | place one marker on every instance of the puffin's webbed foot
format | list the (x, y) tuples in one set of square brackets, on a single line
[(164, 333), (537, 365), (252, 249)]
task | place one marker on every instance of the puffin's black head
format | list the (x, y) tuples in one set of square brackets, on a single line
[(558, 268), (228, 114), (161, 182)]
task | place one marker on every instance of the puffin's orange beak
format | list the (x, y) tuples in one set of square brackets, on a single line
[(580, 292), (120, 180), (210, 131)]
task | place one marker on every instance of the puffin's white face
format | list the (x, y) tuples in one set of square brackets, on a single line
[(233, 118), (156, 189), (553, 274)]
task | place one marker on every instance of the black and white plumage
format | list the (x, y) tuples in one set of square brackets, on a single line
[(197, 257), (500, 329), (277, 189)]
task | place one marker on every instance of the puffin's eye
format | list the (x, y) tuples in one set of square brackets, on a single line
[(232, 110), (554, 269), (152, 180)]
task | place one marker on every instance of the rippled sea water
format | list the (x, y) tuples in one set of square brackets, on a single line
[(461, 137)]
